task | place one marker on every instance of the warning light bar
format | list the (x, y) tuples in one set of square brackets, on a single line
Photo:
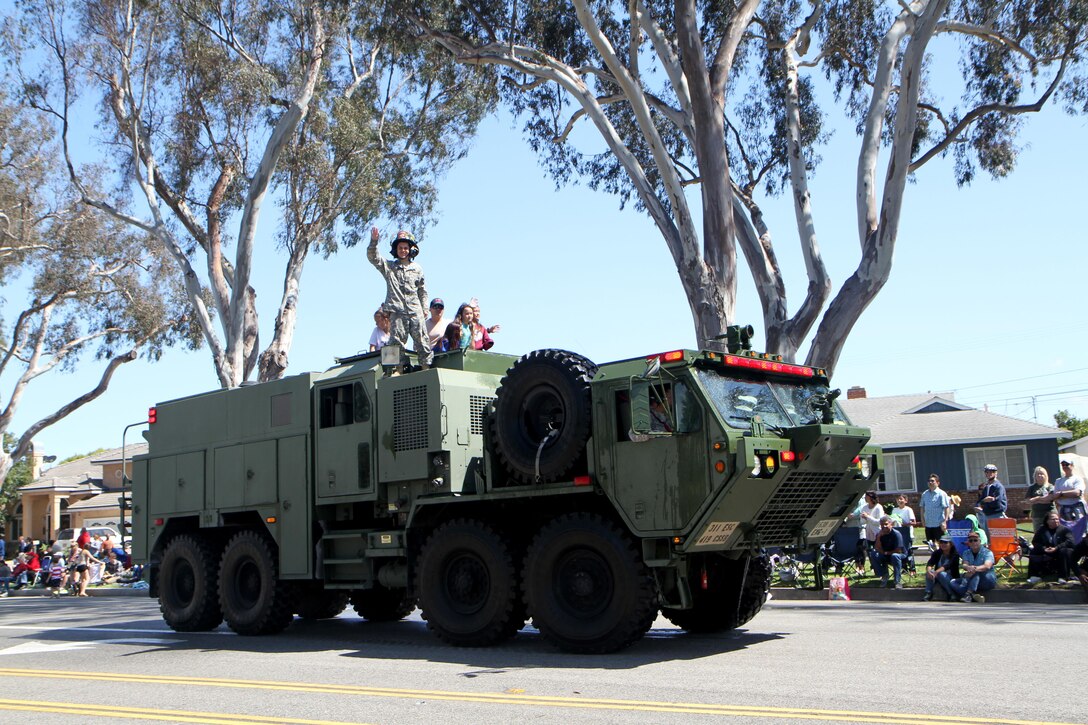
[(671, 356), (769, 366)]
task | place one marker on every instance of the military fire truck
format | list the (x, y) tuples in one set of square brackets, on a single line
[(490, 489)]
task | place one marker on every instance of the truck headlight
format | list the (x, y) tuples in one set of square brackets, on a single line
[(866, 466)]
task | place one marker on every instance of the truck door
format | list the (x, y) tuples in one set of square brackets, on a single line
[(660, 473), (344, 463)]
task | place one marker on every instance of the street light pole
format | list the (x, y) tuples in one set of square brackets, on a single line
[(126, 482)]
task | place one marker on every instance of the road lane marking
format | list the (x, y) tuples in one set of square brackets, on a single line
[(788, 713), (140, 713)]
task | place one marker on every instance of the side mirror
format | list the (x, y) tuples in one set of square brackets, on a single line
[(640, 406)]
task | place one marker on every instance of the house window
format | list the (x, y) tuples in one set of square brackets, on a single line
[(898, 472), (1011, 462)]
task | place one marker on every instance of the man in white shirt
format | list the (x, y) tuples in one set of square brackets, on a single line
[(1069, 493)]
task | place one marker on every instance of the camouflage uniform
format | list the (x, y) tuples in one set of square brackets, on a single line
[(405, 302)]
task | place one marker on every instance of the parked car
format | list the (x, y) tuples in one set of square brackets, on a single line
[(67, 537)]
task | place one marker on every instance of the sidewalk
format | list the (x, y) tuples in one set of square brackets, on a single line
[(1054, 595)]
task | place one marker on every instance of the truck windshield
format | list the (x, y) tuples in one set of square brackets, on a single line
[(779, 404)]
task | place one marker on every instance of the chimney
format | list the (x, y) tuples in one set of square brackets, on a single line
[(855, 392)]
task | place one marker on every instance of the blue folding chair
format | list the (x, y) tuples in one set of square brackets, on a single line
[(959, 530), (844, 547)]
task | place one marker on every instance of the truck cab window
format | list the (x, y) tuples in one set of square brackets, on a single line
[(337, 406)]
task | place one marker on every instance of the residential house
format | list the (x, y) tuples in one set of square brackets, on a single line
[(932, 433), (83, 492)]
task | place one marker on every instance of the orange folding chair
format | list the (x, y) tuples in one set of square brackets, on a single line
[(1004, 544)]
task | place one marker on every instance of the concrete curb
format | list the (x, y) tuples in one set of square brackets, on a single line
[(1062, 595), (91, 592)]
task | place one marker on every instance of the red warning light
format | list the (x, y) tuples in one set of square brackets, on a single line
[(152, 414)]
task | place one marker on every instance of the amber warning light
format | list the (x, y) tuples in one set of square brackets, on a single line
[(152, 414)]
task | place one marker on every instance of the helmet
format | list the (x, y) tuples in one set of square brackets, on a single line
[(404, 236)]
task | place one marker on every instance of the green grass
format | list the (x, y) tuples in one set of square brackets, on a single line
[(1005, 579)]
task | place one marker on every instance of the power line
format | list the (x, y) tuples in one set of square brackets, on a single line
[(1016, 380)]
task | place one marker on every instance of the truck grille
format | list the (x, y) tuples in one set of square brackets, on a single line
[(477, 412), (410, 419), (795, 501)]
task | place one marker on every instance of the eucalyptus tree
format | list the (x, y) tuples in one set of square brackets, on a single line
[(210, 110), (77, 284), (699, 110)]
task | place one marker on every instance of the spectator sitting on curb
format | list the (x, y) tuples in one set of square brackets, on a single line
[(6, 578), (889, 549), (1051, 548), (977, 568), (943, 566)]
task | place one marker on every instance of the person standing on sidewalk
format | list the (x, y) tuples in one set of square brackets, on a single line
[(977, 568), (936, 508), (992, 501), (1042, 503), (1069, 493)]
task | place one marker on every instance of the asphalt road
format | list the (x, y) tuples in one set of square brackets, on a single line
[(103, 659)]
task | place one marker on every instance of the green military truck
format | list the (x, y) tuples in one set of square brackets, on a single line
[(491, 489)]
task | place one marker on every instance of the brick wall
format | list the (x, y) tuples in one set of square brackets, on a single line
[(1017, 508)]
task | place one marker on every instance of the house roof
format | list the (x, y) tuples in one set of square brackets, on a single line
[(108, 500), (936, 419), (83, 475), (114, 455)]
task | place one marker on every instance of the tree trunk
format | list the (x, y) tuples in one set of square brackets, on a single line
[(274, 359)]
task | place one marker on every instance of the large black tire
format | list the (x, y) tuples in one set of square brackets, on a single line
[(189, 585), (467, 584), (730, 599), (382, 605), (253, 599), (587, 587), (311, 603), (543, 391)]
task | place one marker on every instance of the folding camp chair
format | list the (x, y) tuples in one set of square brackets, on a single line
[(791, 565), (909, 565), (843, 549), (1079, 528), (1005, 544), (959, 530)]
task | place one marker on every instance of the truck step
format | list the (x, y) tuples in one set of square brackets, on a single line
[(336, 562)]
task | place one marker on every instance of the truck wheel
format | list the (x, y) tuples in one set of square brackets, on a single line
[(319, 604), (188, 585), (587, 588), (543, 392), (382, 605), (727, 602), (467, 584), (253, 599)]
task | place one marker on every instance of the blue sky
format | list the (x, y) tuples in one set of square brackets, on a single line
[(986, 296)]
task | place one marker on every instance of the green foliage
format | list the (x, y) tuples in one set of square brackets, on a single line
[(77, 456), (1078, 427), (19, 475)]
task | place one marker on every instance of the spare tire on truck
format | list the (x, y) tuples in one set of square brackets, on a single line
[(542, 415)]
